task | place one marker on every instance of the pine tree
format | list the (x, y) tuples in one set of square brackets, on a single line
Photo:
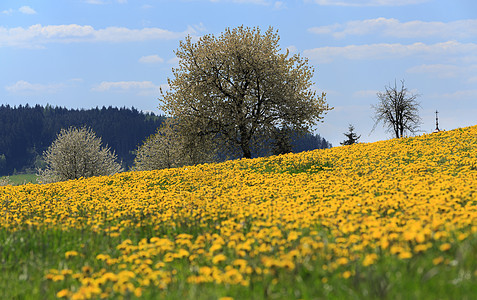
[(351, 136)]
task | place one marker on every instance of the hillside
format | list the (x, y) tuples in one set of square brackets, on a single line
[(26, 132), (394, 219)]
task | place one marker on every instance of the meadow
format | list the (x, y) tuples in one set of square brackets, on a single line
[(18, 179), (394, 219)]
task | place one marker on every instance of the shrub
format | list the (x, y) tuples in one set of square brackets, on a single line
[(170, 147), (77, 153)]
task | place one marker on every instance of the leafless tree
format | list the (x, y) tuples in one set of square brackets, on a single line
[(398, 109)]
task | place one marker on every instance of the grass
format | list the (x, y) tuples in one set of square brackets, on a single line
[(19, 179), (390, 220)]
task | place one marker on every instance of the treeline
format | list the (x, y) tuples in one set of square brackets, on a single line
[(27, 131)]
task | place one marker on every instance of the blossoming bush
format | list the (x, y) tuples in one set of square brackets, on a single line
[(393, 219)]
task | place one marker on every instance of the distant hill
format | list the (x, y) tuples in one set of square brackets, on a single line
[(27, 131)]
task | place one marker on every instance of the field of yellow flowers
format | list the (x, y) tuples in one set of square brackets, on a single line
[(395, 219)]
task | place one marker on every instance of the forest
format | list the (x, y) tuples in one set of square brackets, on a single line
[(27, 131)]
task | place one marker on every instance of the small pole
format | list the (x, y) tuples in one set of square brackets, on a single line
[(437, 123)]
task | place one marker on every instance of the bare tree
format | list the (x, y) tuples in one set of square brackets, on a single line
[(398, 109), (77, 153), (239, 86)]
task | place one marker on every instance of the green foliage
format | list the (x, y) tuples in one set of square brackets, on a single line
[(27, 255), (18, 179), (352, 137)]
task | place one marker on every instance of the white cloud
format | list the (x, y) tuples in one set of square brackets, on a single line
[(22, 87), (7, 11), (444, 70), (358, 3), (123, 85), (261, 2), (460, 95), (279, 5), (24, 10), (384, 51), (365, 93), (38, 35), (142, 88), (97, 2), (437, 70), (395, 28), (27, 10), (151, 59)]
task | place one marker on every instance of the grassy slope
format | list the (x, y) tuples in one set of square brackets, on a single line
[(20, 179), (418, 195)]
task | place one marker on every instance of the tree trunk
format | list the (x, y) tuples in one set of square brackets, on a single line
[(246, 152), (245, 144)]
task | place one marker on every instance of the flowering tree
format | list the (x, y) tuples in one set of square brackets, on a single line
[(77, 153), (238, 87), (168, 148)]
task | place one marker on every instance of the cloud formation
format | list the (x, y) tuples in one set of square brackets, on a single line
[(277, 5), (25, 87), (365, 93), (27, 10), (151, 59), (142, 88), (445, 70), (101, 2), (387, 51), (261, 2), (358, 3), (38, 35), (24, 10), (394, 28), (123, 85)]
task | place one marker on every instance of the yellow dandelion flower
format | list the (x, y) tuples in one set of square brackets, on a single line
[(438, 260), (370, 259), (69, 254), (445, 247), (218, 259), (346, 274), (63, 293), (405, 255)]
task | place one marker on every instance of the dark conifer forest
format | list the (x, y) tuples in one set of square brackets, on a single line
[(27, 131)]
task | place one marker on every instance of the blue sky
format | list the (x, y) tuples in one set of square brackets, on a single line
[(88, 53)]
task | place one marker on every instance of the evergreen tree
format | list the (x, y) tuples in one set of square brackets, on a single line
[(351, 136)]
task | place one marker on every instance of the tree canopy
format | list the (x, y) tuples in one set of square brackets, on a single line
[(239, 88)]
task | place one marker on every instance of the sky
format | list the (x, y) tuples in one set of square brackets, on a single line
[(94, 53)]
